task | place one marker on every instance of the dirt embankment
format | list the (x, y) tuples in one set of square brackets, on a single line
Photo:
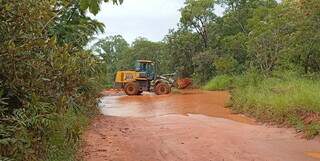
[(188, 126)]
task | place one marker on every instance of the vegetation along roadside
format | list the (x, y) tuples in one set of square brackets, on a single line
[(285, 99), (48, 80)]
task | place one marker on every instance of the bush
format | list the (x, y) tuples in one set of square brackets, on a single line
[(221, 82), (47, 90), (63, 143), (202, 67), (225, 65), (37, 108)]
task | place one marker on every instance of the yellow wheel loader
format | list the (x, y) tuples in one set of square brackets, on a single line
[(143, 78)]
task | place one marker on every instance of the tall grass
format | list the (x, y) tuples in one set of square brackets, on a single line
[(221, 82), (283, 99), (64, 142)]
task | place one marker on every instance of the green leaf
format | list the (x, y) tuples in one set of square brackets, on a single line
[(84, 4), (94, 6)]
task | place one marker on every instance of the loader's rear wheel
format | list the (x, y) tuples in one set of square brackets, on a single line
[(131, 88), (162, 88)]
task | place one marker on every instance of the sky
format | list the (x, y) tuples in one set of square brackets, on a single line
[(150, 19)]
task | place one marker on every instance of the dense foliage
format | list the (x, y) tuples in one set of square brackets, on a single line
[(48, 82), (261, 35)]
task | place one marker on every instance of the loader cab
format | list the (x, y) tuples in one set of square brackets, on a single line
[(147, 67)]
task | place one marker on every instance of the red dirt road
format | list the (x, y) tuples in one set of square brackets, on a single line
[(188, 126)]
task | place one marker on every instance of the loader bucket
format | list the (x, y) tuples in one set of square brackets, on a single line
[(184, 83)]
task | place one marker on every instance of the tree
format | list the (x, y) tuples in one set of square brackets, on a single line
[(304, 42), (143, 49), (203, 68), (197, 14), (110, 49), (94, 5), (229, 35), (182, 45), (267, 38), (72, 26)]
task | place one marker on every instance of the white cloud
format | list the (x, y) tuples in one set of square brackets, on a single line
[(140, 18)]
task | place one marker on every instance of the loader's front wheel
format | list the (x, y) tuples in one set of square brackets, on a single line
[(131, 89), (162, 88)]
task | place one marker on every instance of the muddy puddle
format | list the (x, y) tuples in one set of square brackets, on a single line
[(315, 155), (151, 127), (182, 102)]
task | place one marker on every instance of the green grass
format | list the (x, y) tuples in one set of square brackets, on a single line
[(283, 99), (221, 82), (108, 85)]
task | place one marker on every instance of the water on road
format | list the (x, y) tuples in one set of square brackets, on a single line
[(191, 125)]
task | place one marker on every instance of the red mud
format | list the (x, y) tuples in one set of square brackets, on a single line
[(112, 92), (190, 126), (313, 154)]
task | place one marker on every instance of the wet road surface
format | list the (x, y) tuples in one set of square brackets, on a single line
[(191, 125)]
